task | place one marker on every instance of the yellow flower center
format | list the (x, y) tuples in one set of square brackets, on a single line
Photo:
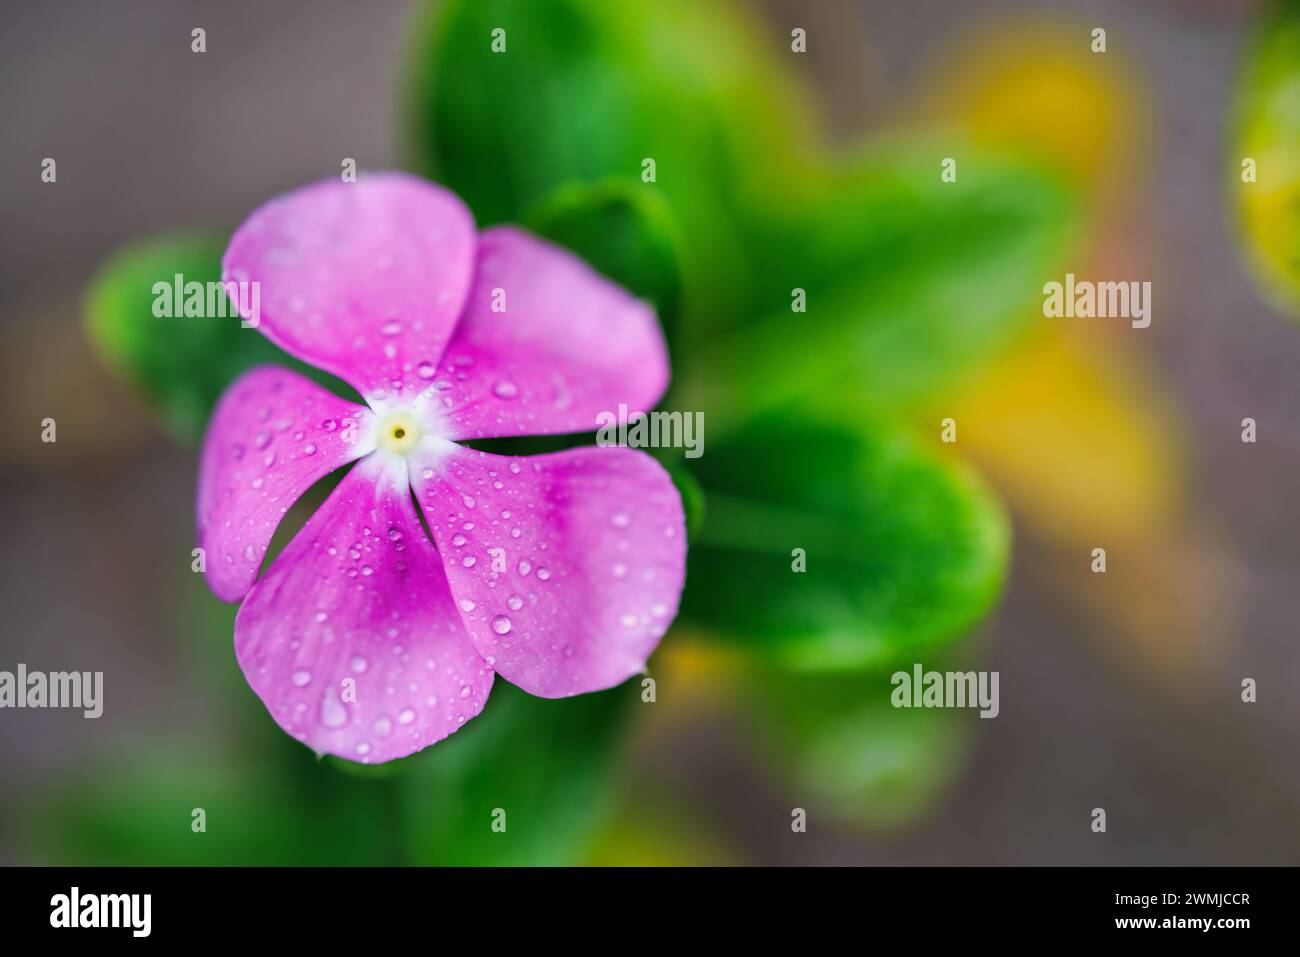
[(399, 432)]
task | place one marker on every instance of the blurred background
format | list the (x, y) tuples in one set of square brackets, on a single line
[(1120, 691)]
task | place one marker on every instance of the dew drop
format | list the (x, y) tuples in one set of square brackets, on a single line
[(501, 624), (332, 712)]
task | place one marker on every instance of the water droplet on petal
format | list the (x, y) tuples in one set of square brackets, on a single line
[(501, 624), (332, 712), (301, 679)]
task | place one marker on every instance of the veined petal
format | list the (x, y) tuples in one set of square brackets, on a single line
[(546, 344), (273, 435), (351, 639), (365, 279), (567, 568)]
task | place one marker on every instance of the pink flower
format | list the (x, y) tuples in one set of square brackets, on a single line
[(558, 572)]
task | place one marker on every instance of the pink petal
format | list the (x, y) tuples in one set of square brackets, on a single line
[(273, 435), (567, 568), (351, 639), (569, 345), (364, 279)]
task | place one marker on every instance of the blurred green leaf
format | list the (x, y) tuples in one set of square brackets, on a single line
[(139, 812), (688, 487), (586, 90), (1266, 129), (910, 281), (836, 740), (545, 762), (625, 232), (905, 550), (180, 365)]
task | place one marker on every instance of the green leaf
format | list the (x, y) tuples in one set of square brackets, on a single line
[(140, 812), (836, 741), (586, 90), (546, 763), (180, 365), (625, 232), (1266, 128), (904, 549), (688, 487), (910, 281)]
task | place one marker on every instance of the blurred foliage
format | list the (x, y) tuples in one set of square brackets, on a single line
[(1266, 128), (910, 282), (904, 549), (838, 740), (545, 762)]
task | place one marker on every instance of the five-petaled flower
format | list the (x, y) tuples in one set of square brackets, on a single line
[(559, 572)]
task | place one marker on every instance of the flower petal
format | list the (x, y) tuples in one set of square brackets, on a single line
[(567, 568), (365, 279), (273, 435), (546, 344), (351, 639)]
